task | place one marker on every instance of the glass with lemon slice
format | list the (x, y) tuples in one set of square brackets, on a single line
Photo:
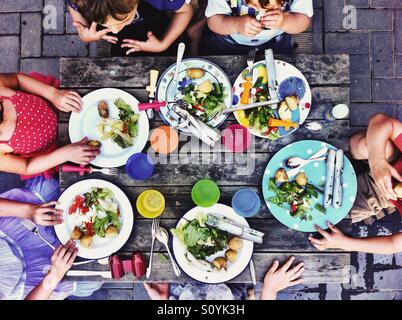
[(150, 204)]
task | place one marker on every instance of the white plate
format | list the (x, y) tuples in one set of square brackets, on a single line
[(102, 247), (166, 87), (84, 124), (234, 269)]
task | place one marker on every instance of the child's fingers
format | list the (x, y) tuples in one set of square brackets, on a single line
[(110, 39), (75, 96), (272, 13), (297, 274), (296, 282), (332, 227), (92, 29), (325, 234), (104, 32), (274, 267), (287, 264), (132, 51), (316, 241), (50, 204), (73, 256), (74, 105)]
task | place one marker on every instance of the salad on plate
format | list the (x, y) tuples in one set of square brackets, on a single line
[(95, 213)]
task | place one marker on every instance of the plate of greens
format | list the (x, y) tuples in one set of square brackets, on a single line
[(97, 215), (203, 87), (298, 201), (208, 254), (293, 93), (111, 118)]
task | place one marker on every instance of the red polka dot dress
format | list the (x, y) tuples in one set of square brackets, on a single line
[(36, 129)]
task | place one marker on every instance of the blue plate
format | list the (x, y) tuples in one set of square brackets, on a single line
[(316, 173)]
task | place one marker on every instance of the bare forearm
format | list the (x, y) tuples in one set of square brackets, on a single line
[(295, 23), (36, 87), (179, 23), (45, 162), (222, 24), (379, 133), (376, 245), (45, 289), (10, 208)]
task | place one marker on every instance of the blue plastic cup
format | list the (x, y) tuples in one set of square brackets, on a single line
[(140, 166), (246, 203)]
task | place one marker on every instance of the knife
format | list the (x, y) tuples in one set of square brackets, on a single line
[(154, 74), (252, 271), (249, 106), (180, 54), (271, 71), (89, 273)]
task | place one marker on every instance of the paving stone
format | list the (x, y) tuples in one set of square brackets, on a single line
[(101, 294), (9, 53), (383, 54), (21, 5), (333, 13), (387, 89), (317, 3), (287, 295), (317, 31), (358, 3), (349, 42), (64, 46), (374, 19), (31, 30), (9, 23), (47, 66), (120, 294), (390, 295), (398, 259), (397, 4), (388, 279), (361, 112), (333, 292), (398, 66), (54, 12), (139, 292), (360, 78), (398, 31)]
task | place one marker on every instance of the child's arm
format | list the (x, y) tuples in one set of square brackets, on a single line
[(292, 23), (227, 25), (63, 100), (42, 214), (62, 261), (382, 129), (179, 23), (337, 240), (87, 32), (79, 153)]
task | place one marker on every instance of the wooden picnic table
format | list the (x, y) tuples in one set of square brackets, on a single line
[(328, 76)]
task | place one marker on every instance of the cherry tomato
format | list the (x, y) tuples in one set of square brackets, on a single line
[(293, 207)]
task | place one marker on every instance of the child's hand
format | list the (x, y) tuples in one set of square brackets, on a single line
[(91, 35), (383, 173), (45, 214), (153, 44), (62, 260), (80, 152), (67, 101), (273, 19), (282, 278), (248, 26), (334, 240), (157, 291)]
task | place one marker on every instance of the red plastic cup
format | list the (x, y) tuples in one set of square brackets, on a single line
[(236, 138), (116, 267)]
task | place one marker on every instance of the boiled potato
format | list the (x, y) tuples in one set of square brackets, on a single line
[(301, 179), (205, 87), (86, 241), (111, 232), (195, 73), (281, 176), (94, 143), (398, 190), (76, 234), (292, 102), (235, 243), (231, 255), (220, 263)]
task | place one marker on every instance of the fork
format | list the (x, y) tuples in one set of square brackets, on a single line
[(81, 170), (34, 229), (106, 171), (155, 227), (250, 60)]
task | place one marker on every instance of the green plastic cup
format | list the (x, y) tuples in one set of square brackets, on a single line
[(205, 193)]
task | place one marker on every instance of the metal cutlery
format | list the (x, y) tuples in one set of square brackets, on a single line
[(252, 272), (249, 106), (271, 70), (154, 230), (250, 60), (104, 261), (318, 156), (163, 237), (86, 273), (180, 54), (82, 170), (34, 229), (314, 126), (154, 74)]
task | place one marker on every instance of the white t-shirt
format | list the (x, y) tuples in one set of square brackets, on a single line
[(222, 7)]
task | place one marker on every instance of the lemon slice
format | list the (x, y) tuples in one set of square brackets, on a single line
[(243, 120)]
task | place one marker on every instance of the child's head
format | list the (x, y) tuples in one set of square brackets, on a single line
[(262, 5), (113, 14)]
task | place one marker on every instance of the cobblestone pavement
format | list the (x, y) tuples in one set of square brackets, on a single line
[(375, 49)]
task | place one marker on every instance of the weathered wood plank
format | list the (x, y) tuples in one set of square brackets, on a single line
[(320, 268), (323, 98), (133, 72)]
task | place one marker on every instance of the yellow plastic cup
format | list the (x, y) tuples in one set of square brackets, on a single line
[(150, 204)]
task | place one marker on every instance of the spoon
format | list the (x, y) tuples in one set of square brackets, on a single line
[(163, 237), (295, 162), (314, 126)]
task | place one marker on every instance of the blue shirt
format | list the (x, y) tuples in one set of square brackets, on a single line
[(163, 5)]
